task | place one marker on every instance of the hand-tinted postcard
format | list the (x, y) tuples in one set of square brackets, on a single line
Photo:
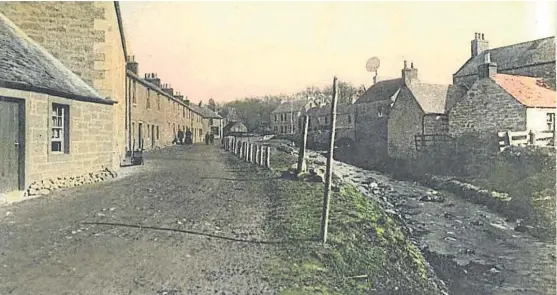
[(221, 148)]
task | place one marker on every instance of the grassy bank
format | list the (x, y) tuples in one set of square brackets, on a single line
[(367, 253), (526, 175)]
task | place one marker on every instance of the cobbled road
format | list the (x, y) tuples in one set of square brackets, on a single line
[(184, 223)]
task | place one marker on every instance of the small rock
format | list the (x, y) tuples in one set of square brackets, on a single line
[(112, 209), (477, 223), (449, 239), (494, 270), (100, 214), (8, 213), (179, 222)]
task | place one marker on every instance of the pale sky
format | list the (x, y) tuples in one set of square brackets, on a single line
[(229, 50)]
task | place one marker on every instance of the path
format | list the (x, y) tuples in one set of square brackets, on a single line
[(45, 247)]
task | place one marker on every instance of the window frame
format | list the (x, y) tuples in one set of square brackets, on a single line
[(62, 125), (550, 121)]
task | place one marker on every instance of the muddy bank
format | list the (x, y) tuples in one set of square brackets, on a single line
[(474, 250)]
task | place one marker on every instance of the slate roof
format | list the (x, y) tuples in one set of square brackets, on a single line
[(291, 106), (26, 65), (436, 98), (513, 56), (382, 90), (204, 112), (527, 90)]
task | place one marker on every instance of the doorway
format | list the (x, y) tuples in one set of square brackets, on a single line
[(153, 136), (140, 136), (12, 136)]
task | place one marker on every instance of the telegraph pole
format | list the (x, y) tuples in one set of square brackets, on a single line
[(328, 173), (302, 152)]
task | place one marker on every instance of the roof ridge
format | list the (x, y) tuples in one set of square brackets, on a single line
[(521, 43)]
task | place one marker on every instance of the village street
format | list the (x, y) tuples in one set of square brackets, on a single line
[(51, 245)]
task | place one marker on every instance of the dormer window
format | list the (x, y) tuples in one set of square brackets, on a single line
[(380, 112)]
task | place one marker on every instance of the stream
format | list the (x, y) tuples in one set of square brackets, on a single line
[(473, 250)]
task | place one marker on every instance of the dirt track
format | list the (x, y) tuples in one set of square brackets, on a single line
[(51, 245)]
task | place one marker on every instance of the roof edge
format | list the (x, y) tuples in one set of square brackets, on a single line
[(121, 29), (157, 89), (32, 88)]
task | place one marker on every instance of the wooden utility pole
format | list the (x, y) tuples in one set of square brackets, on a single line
[(302, 152), (328, 173)]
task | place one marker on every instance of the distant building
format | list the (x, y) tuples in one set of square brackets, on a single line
[(212, 122), (235, 128), (371, 113), (55, 128), (419, 109), (286, 118)]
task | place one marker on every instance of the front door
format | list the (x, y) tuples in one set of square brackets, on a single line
[(152, 136), (10, 145), (140, 136)]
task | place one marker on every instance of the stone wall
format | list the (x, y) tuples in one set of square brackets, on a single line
[(371, 133), (85, 37), (405, 121), (436, 124), (51, 184), (486, 108)]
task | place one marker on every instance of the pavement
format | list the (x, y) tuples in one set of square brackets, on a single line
[(186, 222)]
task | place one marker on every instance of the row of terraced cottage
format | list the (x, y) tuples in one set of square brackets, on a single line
[(72, 103), (510, 88)]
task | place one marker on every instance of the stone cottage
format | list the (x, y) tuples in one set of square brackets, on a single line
[(419, 114), (57, 131), (502, 102), (286, 118), (88, 38), (371, 113)]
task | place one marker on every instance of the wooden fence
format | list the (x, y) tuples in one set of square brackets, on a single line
[(526, 138), (248, 151)]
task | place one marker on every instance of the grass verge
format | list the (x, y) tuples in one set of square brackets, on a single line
[(367, 252)]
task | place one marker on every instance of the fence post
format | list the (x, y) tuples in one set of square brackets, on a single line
[(532, 138), (248, 151), (256, 155), (240, 149), (268, 157)]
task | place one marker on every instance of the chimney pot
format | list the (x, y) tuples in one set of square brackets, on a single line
[(412, 65), (483, 38), (405, 65)]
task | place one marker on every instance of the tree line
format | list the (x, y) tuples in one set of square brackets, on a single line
[(255, 112)]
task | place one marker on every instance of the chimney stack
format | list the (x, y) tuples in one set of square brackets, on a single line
[(179, 96), (488, 69), (132, 65), (168, 89), (478, 44), (409, 75), (153, 79)]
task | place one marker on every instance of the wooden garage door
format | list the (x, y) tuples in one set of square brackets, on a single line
[(9, 146)]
